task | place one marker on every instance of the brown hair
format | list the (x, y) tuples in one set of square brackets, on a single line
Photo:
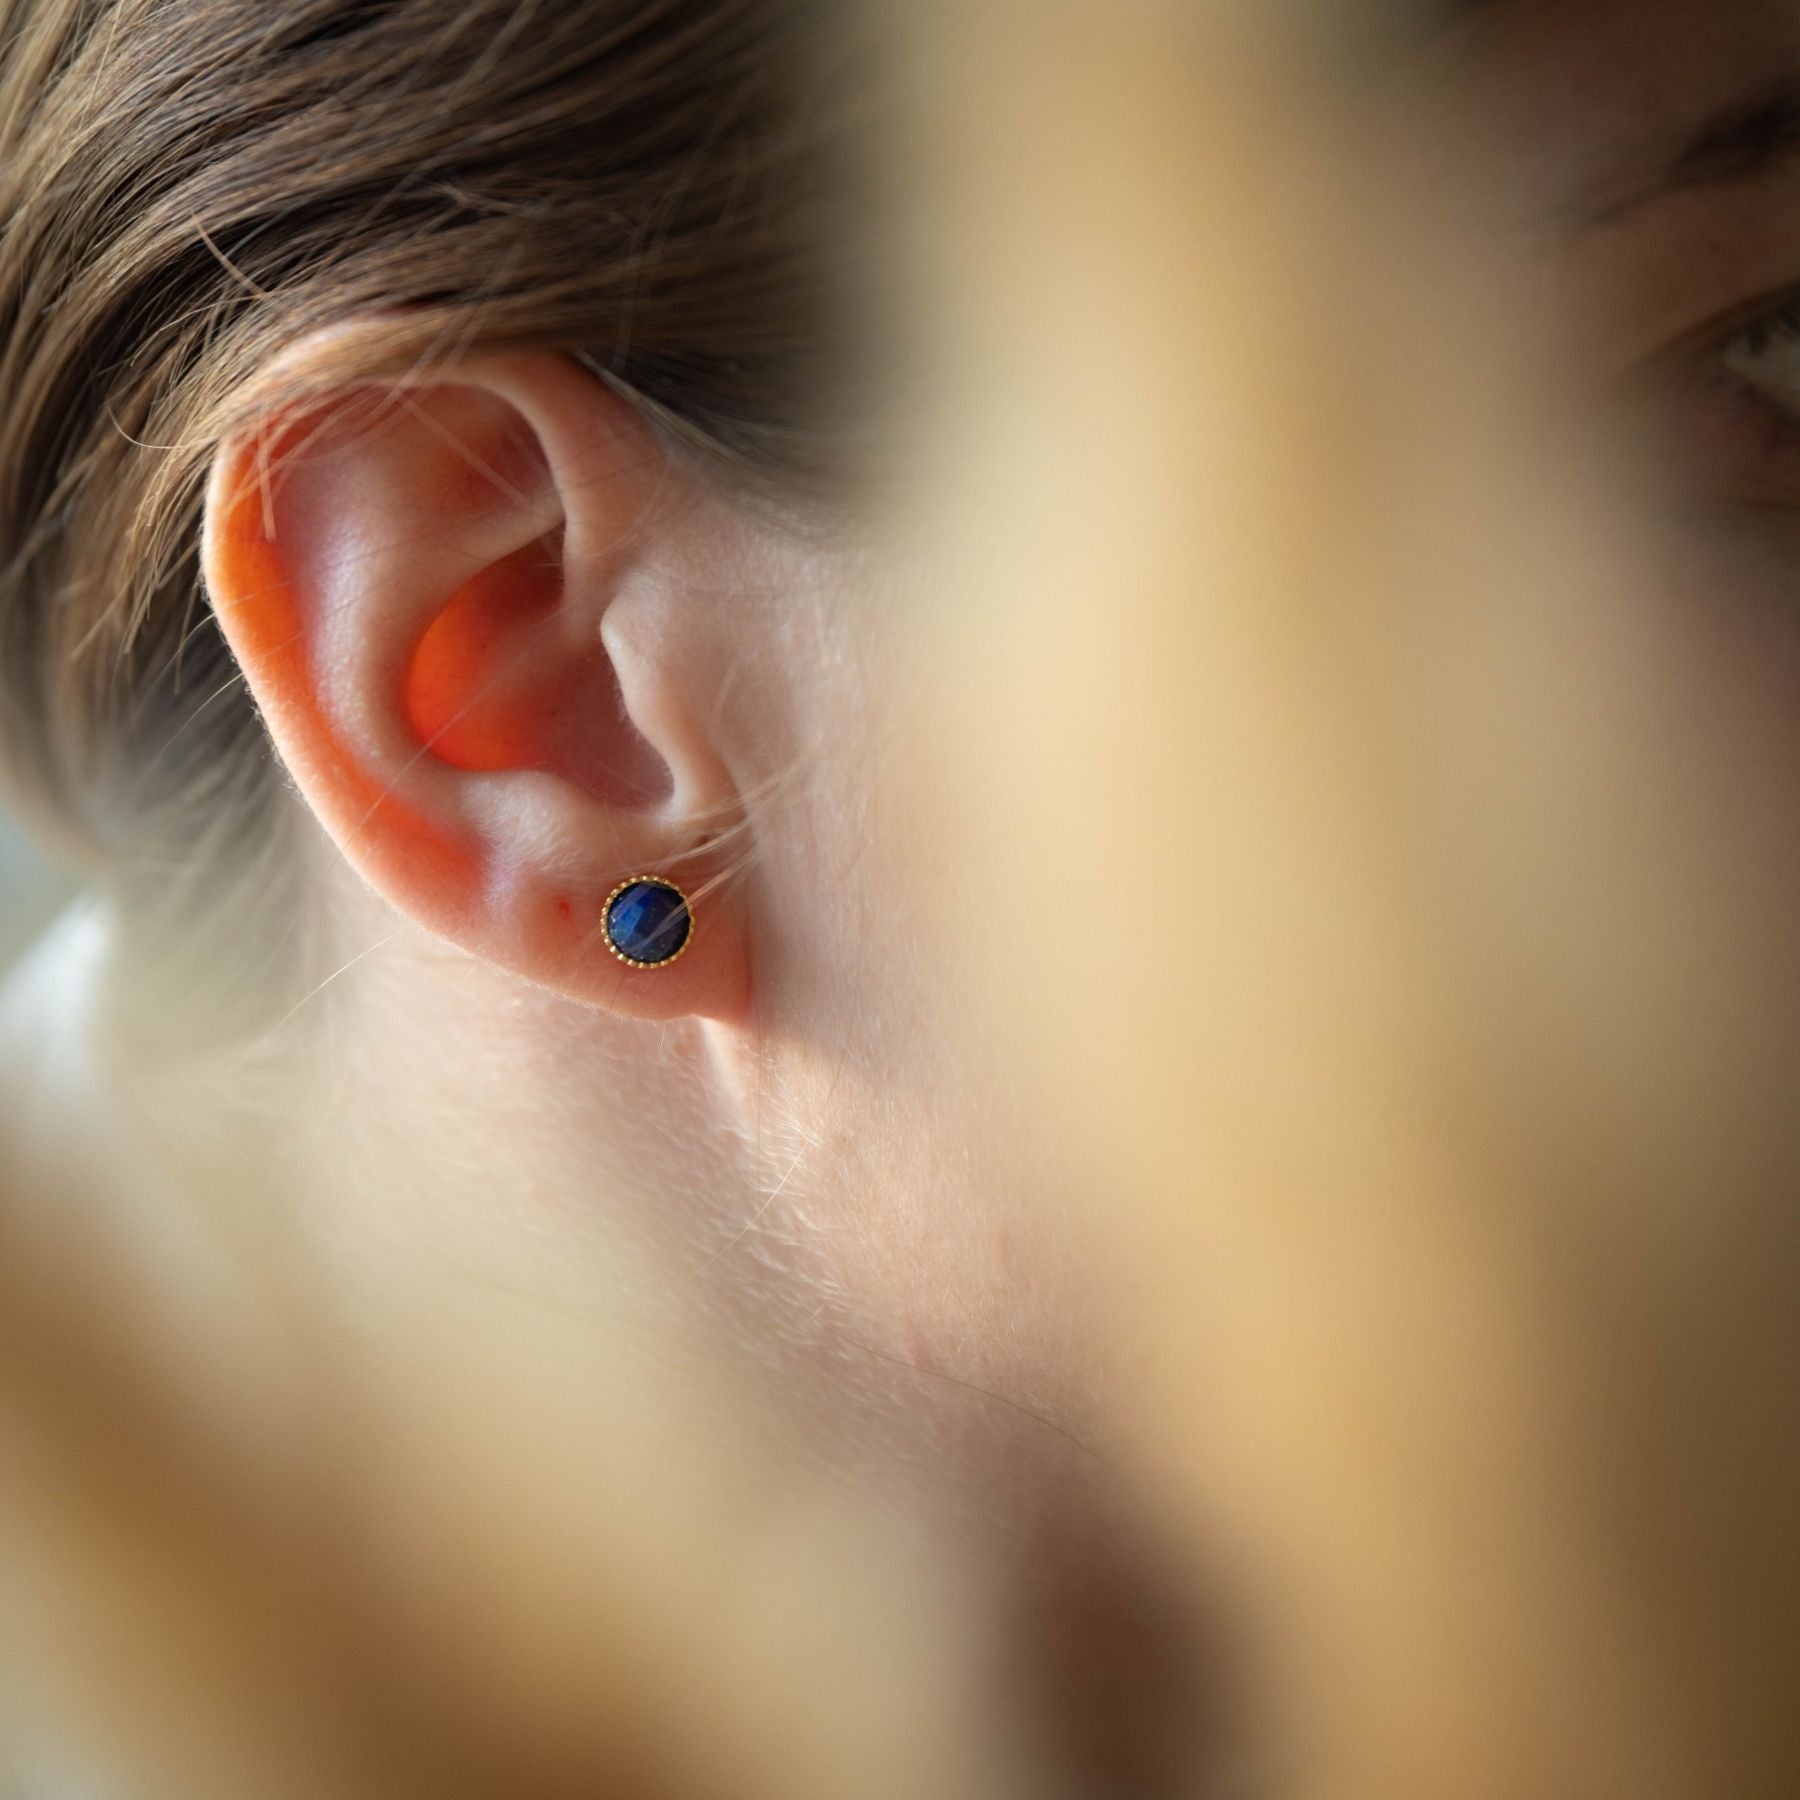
[(187, 188)]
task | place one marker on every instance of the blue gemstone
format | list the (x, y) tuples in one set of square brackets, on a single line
[(648, 922)]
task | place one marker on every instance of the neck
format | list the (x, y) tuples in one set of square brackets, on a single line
[(426, 1175)]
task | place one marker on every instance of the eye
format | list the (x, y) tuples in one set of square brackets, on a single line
[(1737, 403), (1764, 356)]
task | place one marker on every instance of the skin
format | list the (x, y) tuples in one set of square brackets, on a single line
[(800, 1152), (1452, 1092)]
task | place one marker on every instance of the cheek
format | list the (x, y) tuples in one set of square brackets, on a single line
[(862, 854), (1621, 811), (1731, 717), (1726, 698), (881, 1114), (845, 980)]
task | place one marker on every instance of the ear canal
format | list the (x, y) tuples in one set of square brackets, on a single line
[(469, 687)]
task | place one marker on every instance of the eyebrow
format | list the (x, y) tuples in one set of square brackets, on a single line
[(1738, 143)]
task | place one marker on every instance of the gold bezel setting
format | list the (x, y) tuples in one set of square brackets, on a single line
[(661, 881)]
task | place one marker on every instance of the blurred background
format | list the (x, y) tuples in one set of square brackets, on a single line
[(32, 891)]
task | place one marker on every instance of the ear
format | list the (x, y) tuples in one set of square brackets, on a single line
[(454, 600)]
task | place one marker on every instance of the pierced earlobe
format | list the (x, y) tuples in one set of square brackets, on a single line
[(648, 922)]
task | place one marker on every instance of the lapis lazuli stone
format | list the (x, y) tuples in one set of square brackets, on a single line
[(648, 922)]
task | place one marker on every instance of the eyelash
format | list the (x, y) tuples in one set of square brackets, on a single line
[(1776, 327), (1779, 319), (1726, 408)]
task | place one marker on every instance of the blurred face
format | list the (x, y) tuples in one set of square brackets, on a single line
[(1586, 850), (1388, 726), (1634, 169)]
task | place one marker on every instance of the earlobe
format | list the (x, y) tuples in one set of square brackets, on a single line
[(420, 580)]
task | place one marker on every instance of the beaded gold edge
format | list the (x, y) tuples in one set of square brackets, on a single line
[(661, 881)]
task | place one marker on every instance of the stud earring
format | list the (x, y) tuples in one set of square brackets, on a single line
[(648, 922)]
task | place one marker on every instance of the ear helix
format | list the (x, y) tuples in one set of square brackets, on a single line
[(648, 922)]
